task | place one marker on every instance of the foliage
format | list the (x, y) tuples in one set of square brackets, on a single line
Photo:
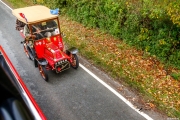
[(151, 26), (176, 76), (139, 70), (19, 3), (173, 11)]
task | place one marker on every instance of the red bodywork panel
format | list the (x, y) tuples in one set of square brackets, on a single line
[(50, 49), (41, 46)]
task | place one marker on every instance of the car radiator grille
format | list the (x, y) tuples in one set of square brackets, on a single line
[(63, 66)]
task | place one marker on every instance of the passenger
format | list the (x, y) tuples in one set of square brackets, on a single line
[(19, 25), (52, 26)]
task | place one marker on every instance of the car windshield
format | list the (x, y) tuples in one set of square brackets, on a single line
[(45, 29)]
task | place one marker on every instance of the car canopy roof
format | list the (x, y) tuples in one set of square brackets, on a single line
[(33, 14)]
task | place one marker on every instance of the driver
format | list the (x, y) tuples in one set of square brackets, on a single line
[(35, 29)]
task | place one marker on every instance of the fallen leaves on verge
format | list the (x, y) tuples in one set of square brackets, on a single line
[(149, 106), (143, 70)]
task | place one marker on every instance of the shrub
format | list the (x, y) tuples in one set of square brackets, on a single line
[(152, 26)]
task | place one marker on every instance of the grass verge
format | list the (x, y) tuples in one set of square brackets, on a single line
[(141, 71)]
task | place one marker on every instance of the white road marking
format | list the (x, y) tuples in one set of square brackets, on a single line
[(116, 93), (6, 5), (108, 87)]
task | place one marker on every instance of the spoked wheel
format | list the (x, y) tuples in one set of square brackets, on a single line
[(75, 61), (26, 51), (31, 53), (43, 72)]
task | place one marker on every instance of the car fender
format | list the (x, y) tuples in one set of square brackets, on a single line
[(41, 61), (72, 50)]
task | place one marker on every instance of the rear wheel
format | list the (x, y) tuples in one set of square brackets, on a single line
[(75, 61), (31, 53), (43, 72)]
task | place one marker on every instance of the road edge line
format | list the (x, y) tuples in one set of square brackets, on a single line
[(116, 93), (6, 5)]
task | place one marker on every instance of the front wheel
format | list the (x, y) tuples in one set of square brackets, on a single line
[(43, 72), (75, 61)]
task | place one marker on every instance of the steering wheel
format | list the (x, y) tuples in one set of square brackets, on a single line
[(38, 35)]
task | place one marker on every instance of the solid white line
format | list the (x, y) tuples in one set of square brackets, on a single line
[(108, 87), (6, 5), (116, 93)]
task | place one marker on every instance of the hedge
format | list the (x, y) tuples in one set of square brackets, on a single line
[(150, 25)]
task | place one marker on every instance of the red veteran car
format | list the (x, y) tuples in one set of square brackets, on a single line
[(43, 43)]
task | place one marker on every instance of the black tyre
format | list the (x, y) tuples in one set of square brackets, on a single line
[(43, 72), (35, 63), (75, 61), (32, 53)]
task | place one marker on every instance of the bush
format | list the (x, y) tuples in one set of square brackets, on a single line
[(152, 26)]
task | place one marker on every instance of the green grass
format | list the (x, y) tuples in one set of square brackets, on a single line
[(18, 3), (176, 76)]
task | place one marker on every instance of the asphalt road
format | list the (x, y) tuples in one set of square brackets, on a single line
[(70, 95)]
